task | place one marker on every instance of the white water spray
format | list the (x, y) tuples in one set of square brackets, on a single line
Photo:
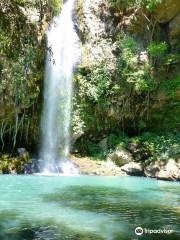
[(62, 56)]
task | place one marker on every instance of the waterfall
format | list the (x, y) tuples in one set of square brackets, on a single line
[(62, 56)]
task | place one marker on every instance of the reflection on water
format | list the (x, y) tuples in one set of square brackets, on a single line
[(82, 207)]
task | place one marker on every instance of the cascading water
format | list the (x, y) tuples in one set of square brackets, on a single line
[(62, 56)]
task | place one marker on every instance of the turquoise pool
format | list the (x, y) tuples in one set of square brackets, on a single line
[(87, 207)]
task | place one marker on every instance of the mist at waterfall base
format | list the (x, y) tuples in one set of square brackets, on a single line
[(62, 56)]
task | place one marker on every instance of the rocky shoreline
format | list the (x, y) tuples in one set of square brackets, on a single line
[(164, 170), (169, 171), (118, 163), (88, 166)]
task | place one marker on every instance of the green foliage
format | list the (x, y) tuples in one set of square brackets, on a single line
[(172, 86), (9, 164), (92, 87), (151, 4), (98, 81), (172, 58), (157, 49), (78, 124), (114, 140), (107, 96), (146, 148), (126, 42), (125, 4), (125, 98), (107, 99), (94, 83), (92, 149), (22, 52), (133, 70), (161, 147), (56, 6)]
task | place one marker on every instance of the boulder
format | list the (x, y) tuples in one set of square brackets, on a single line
[(32, 166), (173, 168), (151, 170), (164, 175), (133, 168), (171, 171), (167, 10), (120, 156)]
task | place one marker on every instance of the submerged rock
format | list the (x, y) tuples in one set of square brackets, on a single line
[(133, 168)]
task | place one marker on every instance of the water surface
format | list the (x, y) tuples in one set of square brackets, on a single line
[(86, 207)]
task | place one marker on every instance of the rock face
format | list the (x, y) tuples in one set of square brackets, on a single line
[(133, 168), (167, 10), (94, 26), (174, 30), (101, 27), (120, 156)]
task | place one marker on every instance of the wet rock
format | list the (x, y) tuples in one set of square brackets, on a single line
[(133, 168), (31, 167), (120, 156)]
